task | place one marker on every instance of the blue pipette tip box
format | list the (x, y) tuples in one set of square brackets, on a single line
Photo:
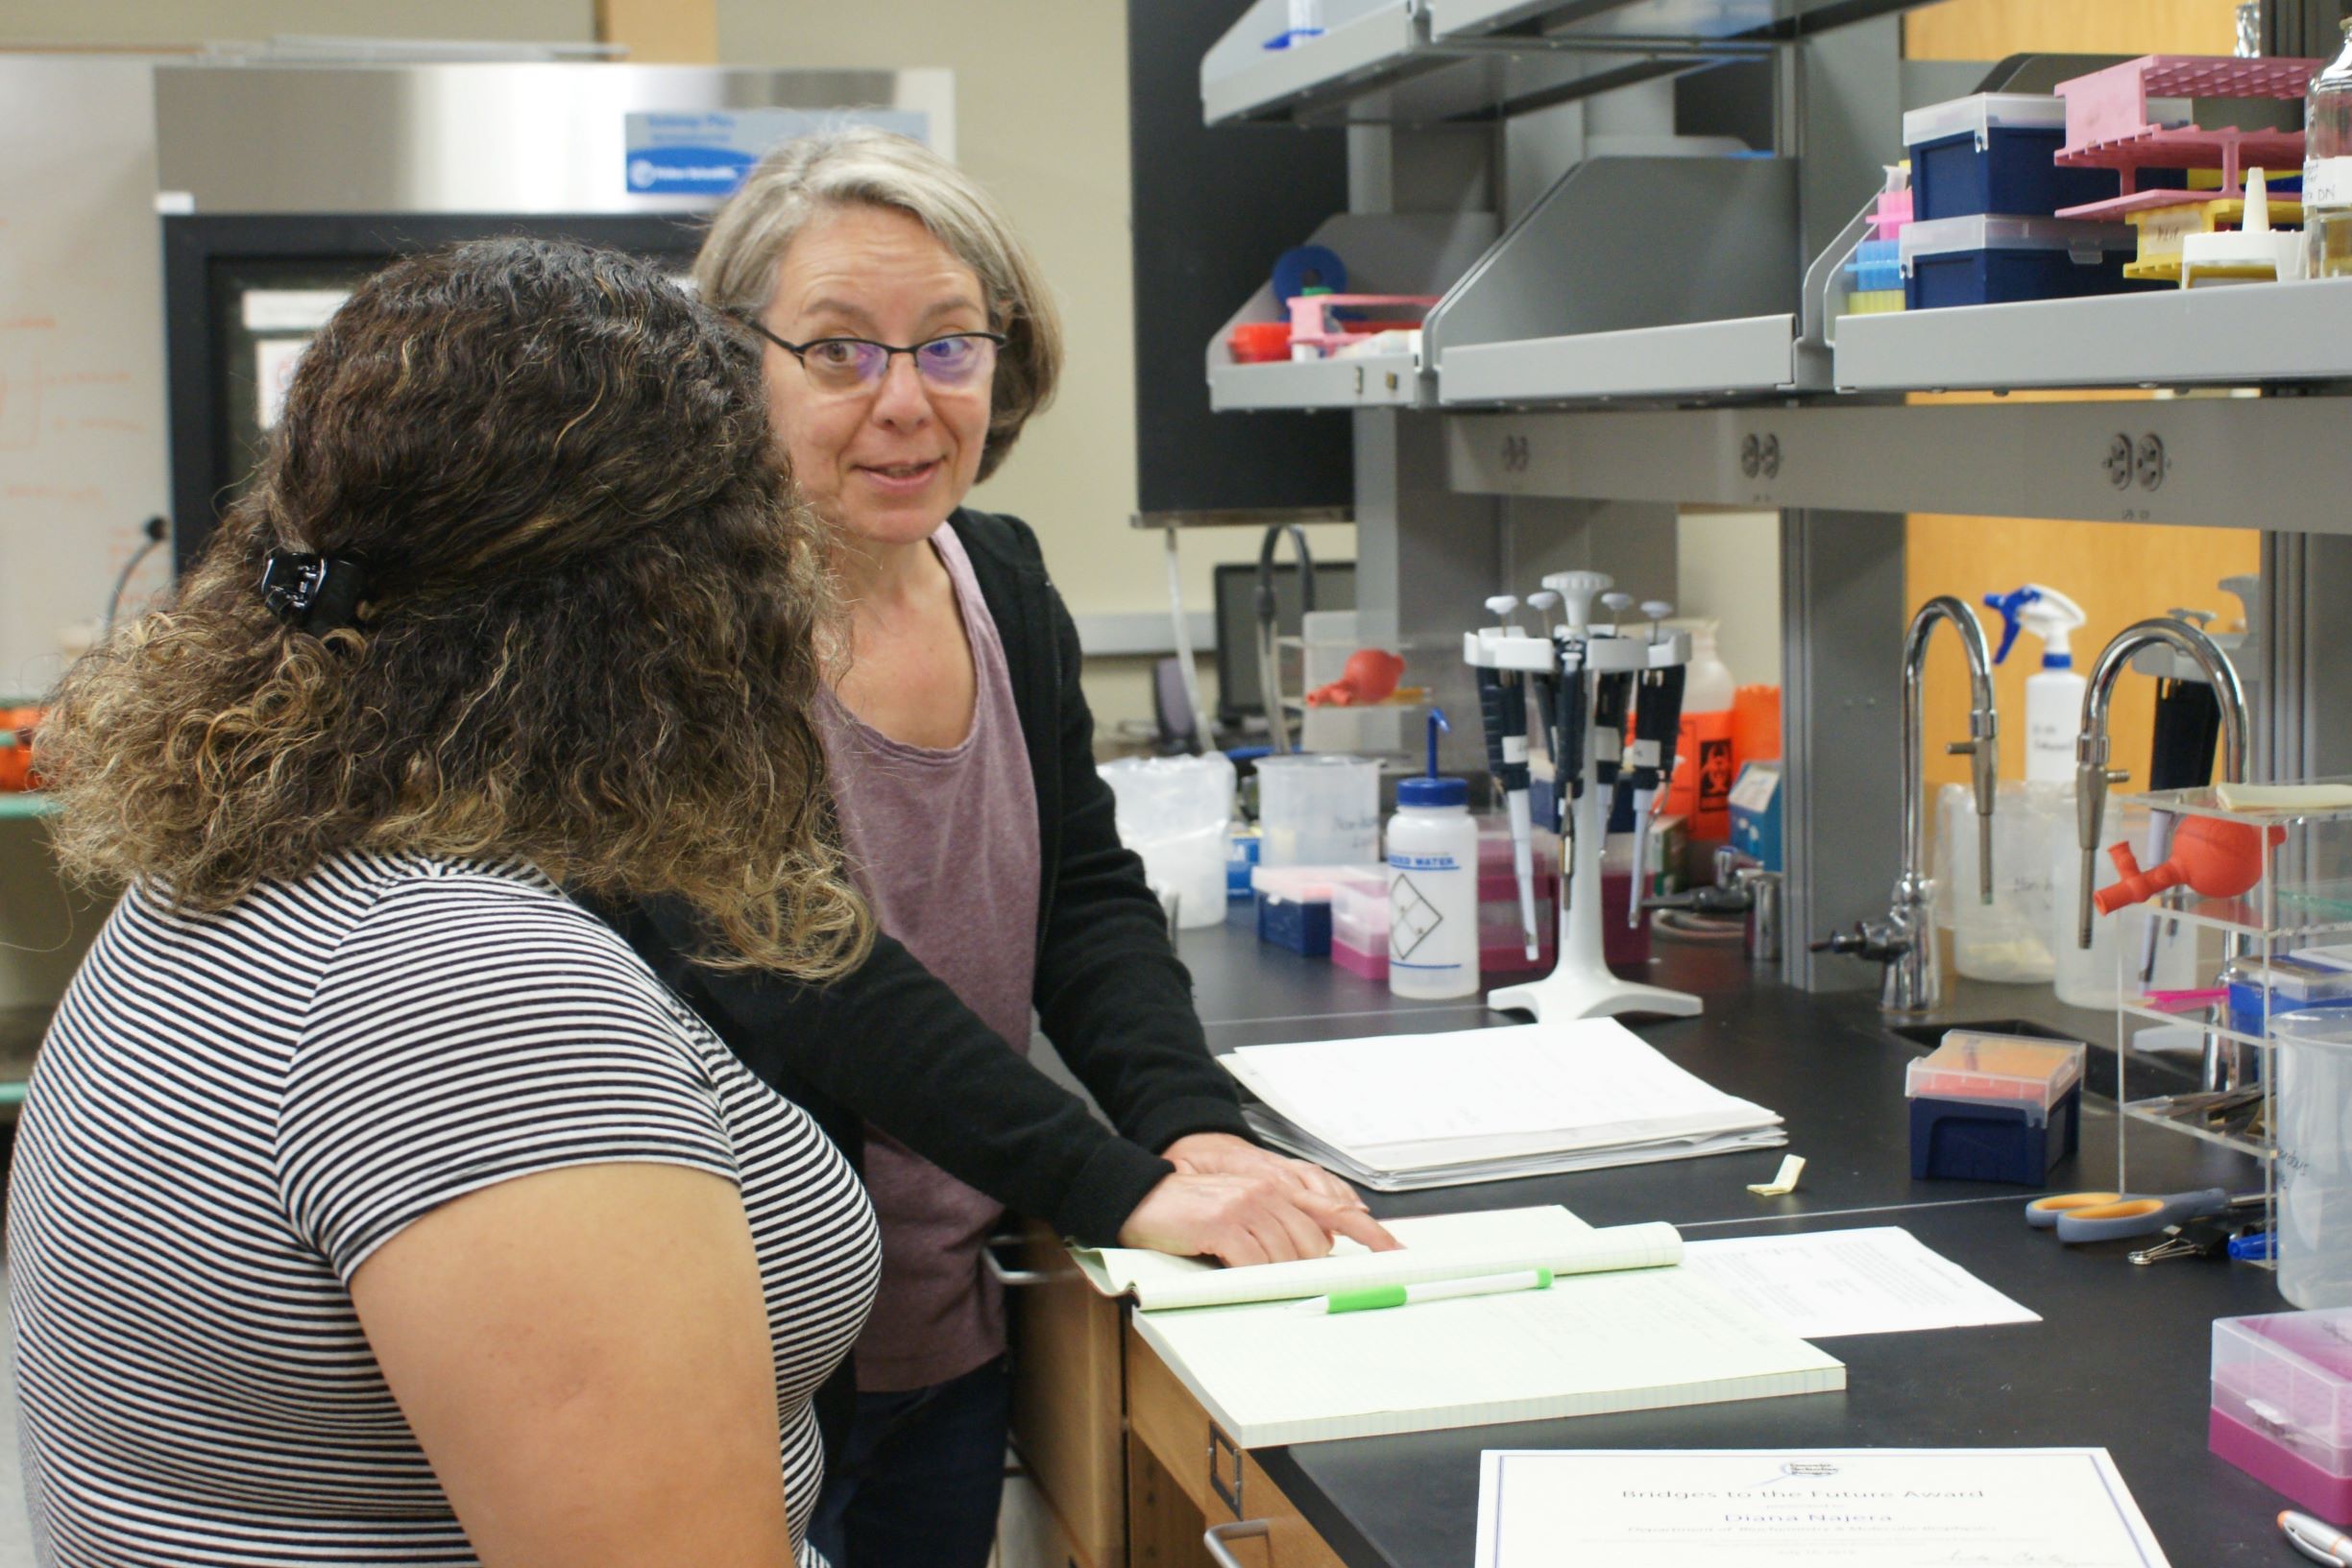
[(1967, 1140), (1300, 926)]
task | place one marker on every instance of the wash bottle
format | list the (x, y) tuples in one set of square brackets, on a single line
[(2053, 694)]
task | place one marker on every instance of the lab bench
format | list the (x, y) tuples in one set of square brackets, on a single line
[(1136, 1472)]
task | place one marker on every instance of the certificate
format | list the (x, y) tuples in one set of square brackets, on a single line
[(1818, 1508)]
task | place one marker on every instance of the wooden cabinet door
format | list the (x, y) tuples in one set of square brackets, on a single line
[(1184, 1476), (1068, 1398)]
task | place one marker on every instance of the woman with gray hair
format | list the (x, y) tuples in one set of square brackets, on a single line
[(909, 340)]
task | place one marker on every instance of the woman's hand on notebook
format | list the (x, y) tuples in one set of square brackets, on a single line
[(1247, 1218), (1222, 1154)]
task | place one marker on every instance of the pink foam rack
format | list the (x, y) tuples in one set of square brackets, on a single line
[(2108, 126), (1894, 210)]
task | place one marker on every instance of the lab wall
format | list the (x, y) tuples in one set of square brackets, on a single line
[(179, 24), (81, 424), (1729, 567)]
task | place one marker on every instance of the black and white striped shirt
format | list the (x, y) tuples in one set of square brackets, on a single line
[(232, 1112)]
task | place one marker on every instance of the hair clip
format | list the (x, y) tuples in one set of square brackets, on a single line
[(314, 593)]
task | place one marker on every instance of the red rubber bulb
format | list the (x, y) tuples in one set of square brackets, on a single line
[(2217, 859)]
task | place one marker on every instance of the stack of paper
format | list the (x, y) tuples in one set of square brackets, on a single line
[(1398, 1112), (1634, 1330)]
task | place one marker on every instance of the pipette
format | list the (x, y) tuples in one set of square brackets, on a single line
[(1573, 699), (1658, 719), (1502, 701), (1546, 690), (1613, 704)]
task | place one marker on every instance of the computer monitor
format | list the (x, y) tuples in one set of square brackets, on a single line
[(1238, 695)]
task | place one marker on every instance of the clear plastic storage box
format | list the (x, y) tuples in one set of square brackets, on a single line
[(2282, 1404), (1998, 1068)]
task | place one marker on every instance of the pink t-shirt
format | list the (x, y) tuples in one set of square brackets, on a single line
[(944, 846)]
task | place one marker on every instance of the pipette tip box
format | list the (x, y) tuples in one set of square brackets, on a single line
[(1987, 260), (1968, 1140), (1996, 152), (2282, 1404), (1994, 1107), (1294, 903)]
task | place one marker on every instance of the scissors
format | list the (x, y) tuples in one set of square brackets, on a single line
[(2111, 1217)]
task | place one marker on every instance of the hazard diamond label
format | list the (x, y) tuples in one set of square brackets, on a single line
[(1410, 918)]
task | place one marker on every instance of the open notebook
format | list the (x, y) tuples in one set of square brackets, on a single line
[(1623, 1327), (1396, 1113)]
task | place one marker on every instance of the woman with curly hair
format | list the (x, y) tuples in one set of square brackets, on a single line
[(374, 1203)]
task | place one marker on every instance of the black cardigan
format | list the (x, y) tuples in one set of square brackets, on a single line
[(891, 1045)]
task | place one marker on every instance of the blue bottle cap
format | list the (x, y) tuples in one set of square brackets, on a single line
[(1428, 791)]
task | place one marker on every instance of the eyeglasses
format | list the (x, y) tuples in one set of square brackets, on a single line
[(951, 362)]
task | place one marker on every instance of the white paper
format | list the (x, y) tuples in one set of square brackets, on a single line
[(1276, 1132), (1400, 1102), (1824, 1284), (1436, 1246), (1872, 1508)]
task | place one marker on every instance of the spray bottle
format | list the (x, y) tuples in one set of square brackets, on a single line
[(2053, 696)]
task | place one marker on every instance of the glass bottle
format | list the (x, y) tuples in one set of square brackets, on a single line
[(2327, 169)]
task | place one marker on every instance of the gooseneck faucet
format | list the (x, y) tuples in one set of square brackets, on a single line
[(1905, 943), (2092, 776)]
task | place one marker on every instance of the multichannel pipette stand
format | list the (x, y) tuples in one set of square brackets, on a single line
[(1580, 986)]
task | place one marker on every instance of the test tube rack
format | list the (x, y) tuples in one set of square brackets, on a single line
[(2113, 120)]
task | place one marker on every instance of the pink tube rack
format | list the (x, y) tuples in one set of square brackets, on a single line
[(2108, 125)]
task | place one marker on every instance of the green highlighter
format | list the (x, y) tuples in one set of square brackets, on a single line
[(1375, 1298)]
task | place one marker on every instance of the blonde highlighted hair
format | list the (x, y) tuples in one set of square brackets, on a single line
[(864, 166)]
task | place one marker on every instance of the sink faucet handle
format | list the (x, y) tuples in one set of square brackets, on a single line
[(1867, 940)]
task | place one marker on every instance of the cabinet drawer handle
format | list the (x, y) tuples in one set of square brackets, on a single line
[(1240, 1529), (996, 1265), (1230, 1496)]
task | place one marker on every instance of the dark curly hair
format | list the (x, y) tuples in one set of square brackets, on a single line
[(588, 639)]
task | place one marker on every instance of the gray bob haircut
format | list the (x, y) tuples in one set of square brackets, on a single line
[(863, 166)]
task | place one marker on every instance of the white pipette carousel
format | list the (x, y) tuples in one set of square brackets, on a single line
[(1585, 666)]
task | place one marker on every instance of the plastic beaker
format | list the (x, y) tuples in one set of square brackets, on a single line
[(2007, 941), (1174, 811), (2314, 1094), (2087, 977), (1319, 809)]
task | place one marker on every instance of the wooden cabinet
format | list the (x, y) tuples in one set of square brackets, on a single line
[(1068, 1400), (1184, 1476), (1128, 1464)]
